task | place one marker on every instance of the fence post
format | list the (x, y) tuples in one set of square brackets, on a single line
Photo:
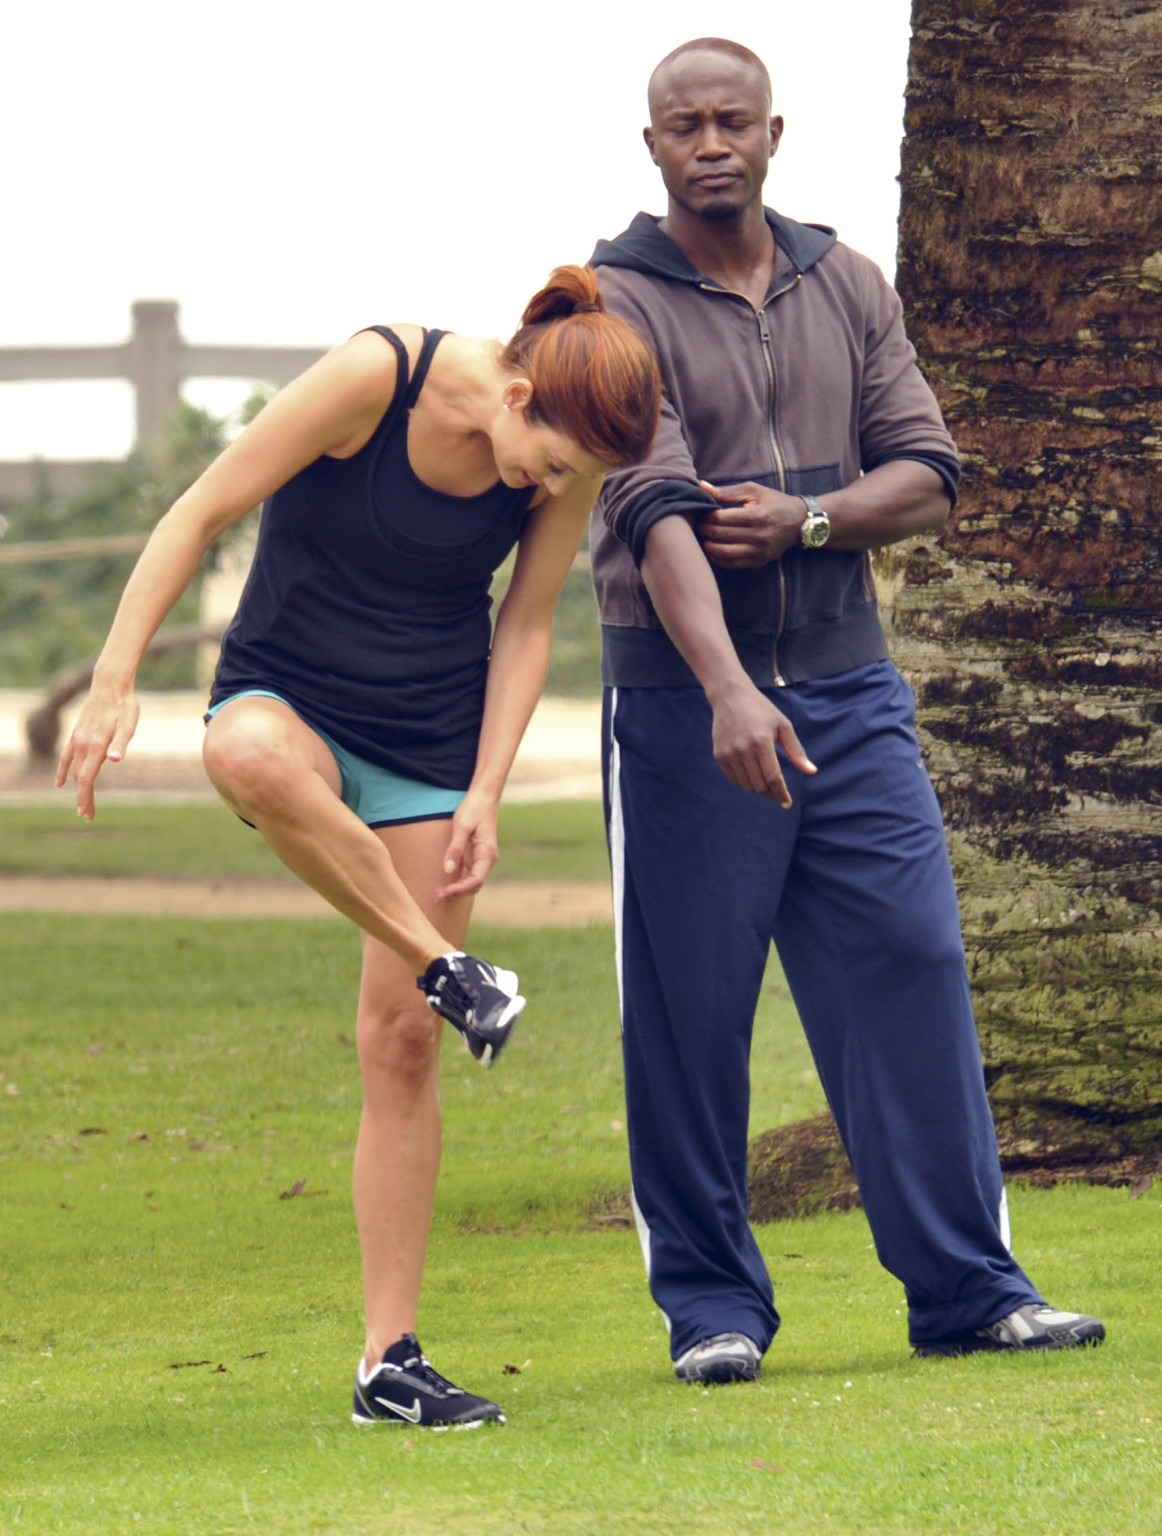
[(155, 363)]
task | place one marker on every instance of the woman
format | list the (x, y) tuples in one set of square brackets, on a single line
[(359, 705)]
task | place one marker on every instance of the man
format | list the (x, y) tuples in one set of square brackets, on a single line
[(739, 617)]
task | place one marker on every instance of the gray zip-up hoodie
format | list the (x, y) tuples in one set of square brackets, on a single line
[(802, 395)]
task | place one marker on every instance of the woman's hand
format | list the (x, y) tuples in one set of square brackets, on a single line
[(102, 734), (472, 848)]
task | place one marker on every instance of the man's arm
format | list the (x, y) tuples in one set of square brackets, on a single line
[(747, 726), (752, 524), (911, 470)]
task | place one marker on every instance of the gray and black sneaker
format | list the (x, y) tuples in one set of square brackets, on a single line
[(404, 1389), (1035, 1326), (479, 999), (722, 1357)]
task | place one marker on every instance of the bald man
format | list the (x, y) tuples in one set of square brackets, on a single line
[(763, 776)]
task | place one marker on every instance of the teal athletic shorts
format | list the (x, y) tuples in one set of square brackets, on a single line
[(377, 796)]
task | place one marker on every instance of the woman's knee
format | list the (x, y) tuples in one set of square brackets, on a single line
[(399, 1043), (251, 763)]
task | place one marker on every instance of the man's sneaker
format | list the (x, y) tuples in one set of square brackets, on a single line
[(722, 1357), (1031, 1327), (480, 1000), (404, 1389)]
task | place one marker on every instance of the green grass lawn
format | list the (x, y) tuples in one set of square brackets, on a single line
[(177, 1340), (202, 839)]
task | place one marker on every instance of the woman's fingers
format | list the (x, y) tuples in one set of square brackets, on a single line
[(103, 737), (471, 853)]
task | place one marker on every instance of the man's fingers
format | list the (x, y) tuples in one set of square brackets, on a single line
[(772, 784), (729, 494), (794, 748)]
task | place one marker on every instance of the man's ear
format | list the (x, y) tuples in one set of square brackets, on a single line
[(776, 134), (648, 136), (517, 393)]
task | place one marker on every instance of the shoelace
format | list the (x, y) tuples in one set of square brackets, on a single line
[(419, 1365)]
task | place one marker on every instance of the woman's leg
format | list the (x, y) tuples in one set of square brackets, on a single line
[(398, 1151), (271, 768)]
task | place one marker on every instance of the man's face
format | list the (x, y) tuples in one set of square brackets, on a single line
[(711, 133)]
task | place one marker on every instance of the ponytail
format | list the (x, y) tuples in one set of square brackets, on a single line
[(593, 376)]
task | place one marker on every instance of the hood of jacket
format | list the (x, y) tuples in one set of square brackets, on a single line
[(643, 247)]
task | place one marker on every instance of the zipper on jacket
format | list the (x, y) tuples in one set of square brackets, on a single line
[(781, 472), (777, 453)]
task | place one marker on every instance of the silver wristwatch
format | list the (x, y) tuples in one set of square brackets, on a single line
[(816, 529)]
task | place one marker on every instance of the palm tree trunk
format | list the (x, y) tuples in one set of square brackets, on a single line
[(1031, 274)]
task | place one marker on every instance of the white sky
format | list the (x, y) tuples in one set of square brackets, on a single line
[(290, 173)]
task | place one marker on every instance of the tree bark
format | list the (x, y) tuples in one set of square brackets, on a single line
[(1031, 274), (1030, 266)]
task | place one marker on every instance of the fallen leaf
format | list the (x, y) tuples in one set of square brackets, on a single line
[(139, 1136), (260, 1354), (219, 1370), (295, 1189), (92, 1130), (766, 1466), (792, 1255), (65, 1207), (181, 1365), (1139, 1187), (510, 1370)]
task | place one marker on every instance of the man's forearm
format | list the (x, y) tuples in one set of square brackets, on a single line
[(685, 596), (893, 502), (753, 525)]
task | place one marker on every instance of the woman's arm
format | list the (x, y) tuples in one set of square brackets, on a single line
[(516, 674), (328, 409)]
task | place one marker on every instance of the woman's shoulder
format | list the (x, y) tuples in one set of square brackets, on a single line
[(372, 355)]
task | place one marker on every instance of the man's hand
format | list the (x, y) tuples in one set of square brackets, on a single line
[(751, 526), (747, 730)]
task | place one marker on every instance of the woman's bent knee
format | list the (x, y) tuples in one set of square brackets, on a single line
[(250, 766)]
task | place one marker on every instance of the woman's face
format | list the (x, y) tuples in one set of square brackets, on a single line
[(531, 453)]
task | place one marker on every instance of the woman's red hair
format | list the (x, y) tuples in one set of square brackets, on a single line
[(593, 376)]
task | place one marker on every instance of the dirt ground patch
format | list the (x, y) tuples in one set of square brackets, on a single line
[(512, 903)]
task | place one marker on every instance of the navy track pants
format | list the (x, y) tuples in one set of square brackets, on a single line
[(854, 886)]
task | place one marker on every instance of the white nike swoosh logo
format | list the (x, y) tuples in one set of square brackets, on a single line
[(412, 1414)]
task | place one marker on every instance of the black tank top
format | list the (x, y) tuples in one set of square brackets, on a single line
[(367, 606)]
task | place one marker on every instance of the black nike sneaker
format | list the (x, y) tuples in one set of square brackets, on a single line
[(404, 1389), (479, 999), (1035, 1326)]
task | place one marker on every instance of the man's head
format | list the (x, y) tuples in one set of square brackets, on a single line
[(711, 132)]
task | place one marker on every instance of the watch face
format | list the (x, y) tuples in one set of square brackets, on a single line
[(815, 532)]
